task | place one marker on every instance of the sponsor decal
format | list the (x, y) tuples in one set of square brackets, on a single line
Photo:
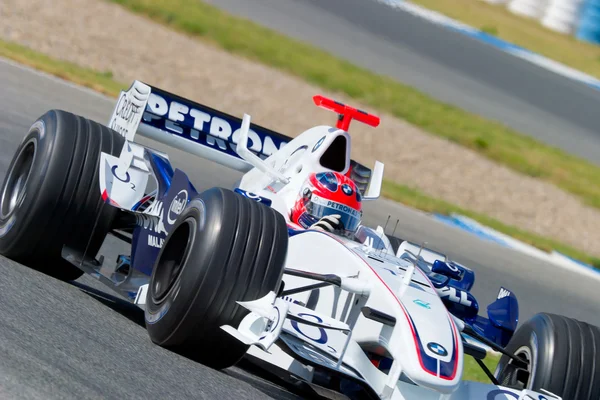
[(347, 189), (343, 208), (503, 293), (128, 110), (322, 339), (452, 295), (335, 205), (452, 267), (306, 221), (206, 126), (422, 303), (154, 241), (177, 205), (318, 144), (126, 179), (151, 223), (437, 348)]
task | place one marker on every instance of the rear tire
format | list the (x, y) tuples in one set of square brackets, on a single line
[(223, 248), (51, 195), (563, 357)]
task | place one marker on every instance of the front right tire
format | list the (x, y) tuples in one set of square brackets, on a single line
[(562, 356)]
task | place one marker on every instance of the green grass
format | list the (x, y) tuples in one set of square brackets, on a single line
[(414, 198), (497, 20), (489, 138), (473, 372), (99, 81)]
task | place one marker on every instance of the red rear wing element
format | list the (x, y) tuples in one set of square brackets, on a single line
[(346, 113)]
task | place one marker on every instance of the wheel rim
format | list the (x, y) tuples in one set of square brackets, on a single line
[(517, 377), (172, 260), (16, 179)]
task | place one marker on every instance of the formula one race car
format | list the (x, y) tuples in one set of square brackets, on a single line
[(228, 274)]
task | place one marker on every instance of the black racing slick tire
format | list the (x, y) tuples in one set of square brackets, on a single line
[(562, 356), (223, 248), (51, 195)]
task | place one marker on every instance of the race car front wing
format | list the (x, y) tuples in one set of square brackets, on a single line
[(273, 329)]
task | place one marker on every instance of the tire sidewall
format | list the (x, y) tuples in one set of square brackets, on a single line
[(536, 337), (60, 203), (16, 223), (202, 243), (193, 214), (237, 252)]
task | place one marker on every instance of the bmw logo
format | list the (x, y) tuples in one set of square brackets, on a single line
[(437, 349), (318, 144), (346, 189)]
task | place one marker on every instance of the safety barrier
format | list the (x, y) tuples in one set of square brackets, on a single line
[(528, 8), (589, 22), (562, 15), (580, 18)]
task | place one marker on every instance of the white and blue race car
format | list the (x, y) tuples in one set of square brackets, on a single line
[(224, 274)]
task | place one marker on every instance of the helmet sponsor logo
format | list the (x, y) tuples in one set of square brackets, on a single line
[(335, 205), (343, 208), (177, 206)]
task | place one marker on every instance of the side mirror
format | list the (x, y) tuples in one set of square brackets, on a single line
[(446, 269), (251, 158), (375, 185)]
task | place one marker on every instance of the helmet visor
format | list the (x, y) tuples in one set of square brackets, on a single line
[(319, 207)]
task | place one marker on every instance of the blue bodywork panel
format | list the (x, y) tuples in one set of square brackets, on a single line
[(174, 192), (503, 317)]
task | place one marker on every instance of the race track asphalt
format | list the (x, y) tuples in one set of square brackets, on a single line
[(442, 63), (63, 340)]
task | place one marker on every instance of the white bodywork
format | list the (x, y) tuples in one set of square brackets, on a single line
[(328, 326)]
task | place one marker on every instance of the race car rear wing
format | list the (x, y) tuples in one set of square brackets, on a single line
[(198, 129)]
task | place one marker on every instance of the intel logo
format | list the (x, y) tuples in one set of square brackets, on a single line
[(177, 205)]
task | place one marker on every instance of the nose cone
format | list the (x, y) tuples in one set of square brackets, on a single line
[(434, 343)]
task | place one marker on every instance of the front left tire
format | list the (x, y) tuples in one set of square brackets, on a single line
[(222, 249), (51, 195)]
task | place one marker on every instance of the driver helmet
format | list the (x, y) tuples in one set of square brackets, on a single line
[(328, 193)]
